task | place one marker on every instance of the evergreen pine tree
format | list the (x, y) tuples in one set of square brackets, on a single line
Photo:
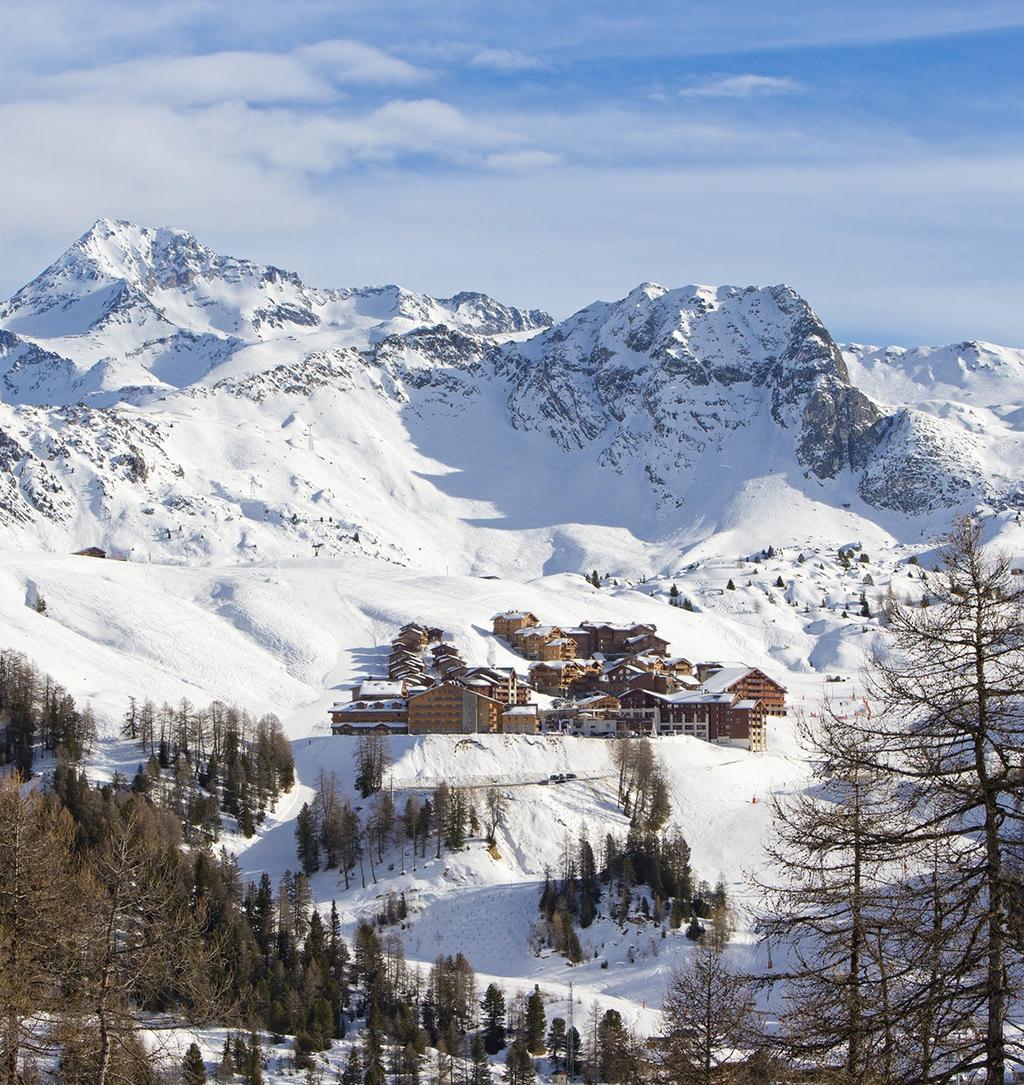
[(730, 586), (225, 1068), (536, 1022), (556, 1039), (306, 840), (573, 949), (353, 1071), (493, 1006), (479, 1069), (193, 1070), (518, 1065), (252, 1067)]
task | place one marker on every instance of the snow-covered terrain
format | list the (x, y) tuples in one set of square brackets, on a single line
[(285, 636), (292, 473), (176, 405)]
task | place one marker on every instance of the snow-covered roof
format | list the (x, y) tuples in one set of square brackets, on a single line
[(620, 664), (496, 673), (619, 627), (367, 724), (521, 710), (747, 703), (395, 705), (376, 687), (699, 697), (512, 615), (593, 697), (726, 677)]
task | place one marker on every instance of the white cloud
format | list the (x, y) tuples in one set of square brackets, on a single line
[(308, 74), (506, 60), (356, 62), (524, 161), (194, 80), (741, 86)]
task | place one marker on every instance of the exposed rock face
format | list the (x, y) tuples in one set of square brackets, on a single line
[(663, 390), (922, 465), (672, 375), (841, 428)]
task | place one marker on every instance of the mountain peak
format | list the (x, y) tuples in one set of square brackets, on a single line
[(648, 290), (119, 249)]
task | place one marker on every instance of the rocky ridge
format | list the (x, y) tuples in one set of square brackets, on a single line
[(663, 390)]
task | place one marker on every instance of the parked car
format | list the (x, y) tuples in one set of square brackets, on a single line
[(570, 776)]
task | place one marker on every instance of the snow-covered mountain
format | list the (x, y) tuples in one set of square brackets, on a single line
[(173, 403), (293, 473)]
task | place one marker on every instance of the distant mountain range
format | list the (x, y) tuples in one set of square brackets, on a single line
[(159, 398)]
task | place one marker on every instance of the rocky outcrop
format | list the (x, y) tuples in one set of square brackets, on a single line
[(665, 388)]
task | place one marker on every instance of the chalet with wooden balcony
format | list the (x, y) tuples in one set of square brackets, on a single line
[(529, 641), (741, 681), (360, 717), (511, 621), (560, 677), (452, 709), (557, 648)]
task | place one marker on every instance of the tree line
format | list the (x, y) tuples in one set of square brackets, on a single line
[(38, 714), (203, 762), (330, 834)]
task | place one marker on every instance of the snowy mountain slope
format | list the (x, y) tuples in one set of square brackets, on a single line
[(285, 636), (178, 405), (133, 308), (217, 423)]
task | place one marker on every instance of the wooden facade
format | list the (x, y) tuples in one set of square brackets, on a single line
[(559, 678), (611, 639), (452, 709), (511, 621), (557, 648), (747, 683), (530, 641)]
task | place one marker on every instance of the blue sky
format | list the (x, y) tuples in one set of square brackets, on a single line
[(548, 153)]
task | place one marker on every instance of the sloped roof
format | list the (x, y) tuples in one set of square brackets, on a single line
[(721, 680), (592, 697), (370, 706)]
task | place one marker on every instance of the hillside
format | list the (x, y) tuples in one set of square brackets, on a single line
[(176, 405), (291, 473)]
